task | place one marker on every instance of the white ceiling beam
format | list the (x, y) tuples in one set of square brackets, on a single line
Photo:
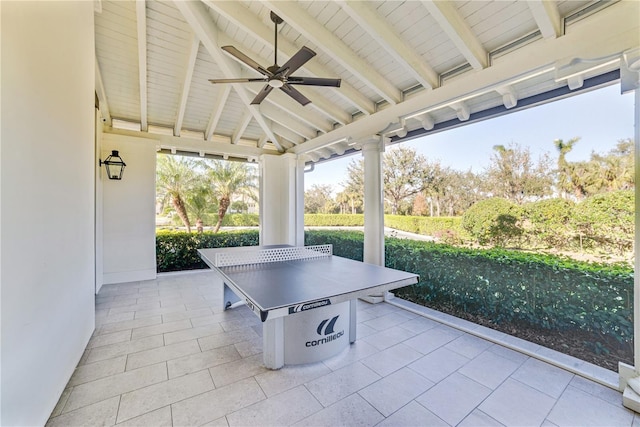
[(324, 39), (279, 99), (547, 17), (287, 134), (186, 86), (141, 25), (225, 91), (198, 18), (462, 110), (509, 96), (102, 96), (242, 126), (383, 33), (240, 16), (284, 119), (458, 31)]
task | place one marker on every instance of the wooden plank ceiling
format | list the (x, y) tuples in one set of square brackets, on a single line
[(406, 67)]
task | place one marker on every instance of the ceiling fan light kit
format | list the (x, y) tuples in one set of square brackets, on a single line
[(279, 77)]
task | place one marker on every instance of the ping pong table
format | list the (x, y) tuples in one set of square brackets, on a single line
[(304, 295)]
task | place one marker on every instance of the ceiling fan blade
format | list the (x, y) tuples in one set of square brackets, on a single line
[(314, 81), (289, 90), (296, 61), (215, 81), (246, 60), (262, 95)]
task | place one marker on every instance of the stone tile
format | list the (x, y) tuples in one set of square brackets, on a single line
[(385, 322), (339, 384), (351, 411), (118, 317), (356, 351), (507, 353), (468, 345), (224, 339), (479, 419), (215, 404), (124, 348), (162, 328), (158, 418), (220, 422), (396, 390), (249, 347), (159, 311), (162, 354), (576, 407), (489, 369), (543, 377), (190, 314), (217, 317), (235, 371), (106, 339), (283, 409), (61, 402), (363, 330), (454, 398), (97, 370), (192, 333), (134, 308), (245, 322), (274, 382), (413, 414), (439, 364), (199, 361), (129, 324), (391, 359), (514, 403), (433, 339), (419, 324), (104, 388), (156, 396), (99, 414), (388, 337), (598, 390)]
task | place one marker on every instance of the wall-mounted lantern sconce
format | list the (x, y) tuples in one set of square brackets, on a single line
[(114, 164)]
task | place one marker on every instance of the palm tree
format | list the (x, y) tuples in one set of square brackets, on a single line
[(199, 202), (228, 179), (174, 179), (564, 173)]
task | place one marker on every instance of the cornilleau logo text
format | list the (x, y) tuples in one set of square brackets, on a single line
[(325, 328), (308, 306)]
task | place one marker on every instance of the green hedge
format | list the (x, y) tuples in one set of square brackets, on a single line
[(446, 228), (542, 290), (178, 250)]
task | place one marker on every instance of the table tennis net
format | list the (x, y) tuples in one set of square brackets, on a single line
[(263, 256)]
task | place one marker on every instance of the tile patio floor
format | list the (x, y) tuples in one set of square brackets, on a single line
[(164, 354)]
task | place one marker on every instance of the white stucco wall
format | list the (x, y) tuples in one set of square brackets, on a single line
[(128, 211), (47, 209)]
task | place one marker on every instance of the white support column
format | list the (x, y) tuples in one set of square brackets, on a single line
[(281, 200), (630, 375), (373, 207)]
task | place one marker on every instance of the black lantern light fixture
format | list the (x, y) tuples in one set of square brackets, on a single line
[(114, 164)]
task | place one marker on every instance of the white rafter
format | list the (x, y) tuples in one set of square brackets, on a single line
[(242, 126), (369, 20), (287, 134), (102, 96), (278, 116), (332, 45), (141, 25), (238, 14), (186, 86), (217, 111), (448, 18), (547, 17), (198, 18)]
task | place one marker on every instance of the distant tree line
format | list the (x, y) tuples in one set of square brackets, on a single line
[(413, 185)]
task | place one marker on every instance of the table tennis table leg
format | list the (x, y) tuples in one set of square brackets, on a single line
[(353, 321), (273, 343)]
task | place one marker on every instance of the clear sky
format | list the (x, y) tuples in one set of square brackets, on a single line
[(600, 118)]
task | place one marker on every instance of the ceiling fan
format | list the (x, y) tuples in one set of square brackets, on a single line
[(277, 76)]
